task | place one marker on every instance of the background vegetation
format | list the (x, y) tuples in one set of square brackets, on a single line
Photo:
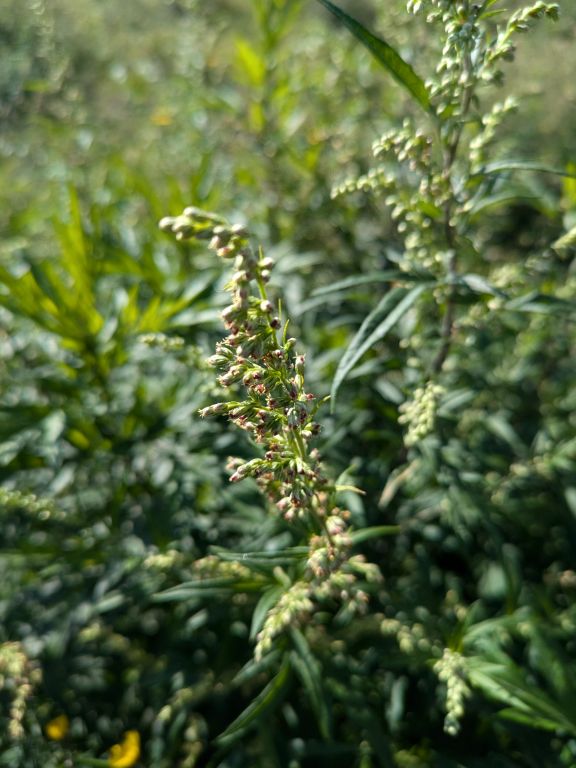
[(114, 491)]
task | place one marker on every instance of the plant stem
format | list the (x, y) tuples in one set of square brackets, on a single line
[(450, 156)]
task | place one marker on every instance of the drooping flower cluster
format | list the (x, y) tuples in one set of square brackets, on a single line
[(419, 413), (18, 677), (451, 671), (258, 358), (258, 354)]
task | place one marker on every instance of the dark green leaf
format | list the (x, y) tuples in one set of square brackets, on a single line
[(309, 671), (376, 325), (263, 704)]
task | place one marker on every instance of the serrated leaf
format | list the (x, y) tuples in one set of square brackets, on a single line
[(386, 55), (376, 325)]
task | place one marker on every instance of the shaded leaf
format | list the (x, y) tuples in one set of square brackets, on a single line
[(266, 700), (376, 325), (309, 671)]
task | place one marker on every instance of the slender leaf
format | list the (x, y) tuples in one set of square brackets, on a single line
[(386, 55), (353, 282), (382, 319), (567, 241), (269, 598), (541, 302), (506, 684), (260, 706), (375, 532), (309, 671), (523, 165)]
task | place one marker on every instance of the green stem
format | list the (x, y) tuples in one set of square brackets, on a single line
[(450, 156)]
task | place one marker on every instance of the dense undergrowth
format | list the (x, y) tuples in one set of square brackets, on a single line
[(394, 586)]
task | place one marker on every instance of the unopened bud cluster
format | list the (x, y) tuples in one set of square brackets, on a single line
[(37, 507), (431, 179), (415, 190), (18, 677), (410, 638), (162, 341), (327, 582), (419, 413), (259, 358), (451, 671)]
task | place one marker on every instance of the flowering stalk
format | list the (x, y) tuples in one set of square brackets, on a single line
[(277, 411), (279, 414)]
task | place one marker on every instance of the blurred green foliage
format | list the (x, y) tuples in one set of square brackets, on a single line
[(114, 491)]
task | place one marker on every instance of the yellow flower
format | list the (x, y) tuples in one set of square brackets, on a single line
[(125, 754), (57, 729)]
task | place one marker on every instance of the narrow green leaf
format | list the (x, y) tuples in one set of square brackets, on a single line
[(507, 685), (309, 671), (523, 165), (479, 284), (541, 302), (570, 496), (250, 65), (253, 668), (386, 55), (567, 241), (260, 706), (387, 313), (529, 719), (501, 427), (507, 197), (375, 532), (269, 598), (385, 276), (262, 557), (204, 588)]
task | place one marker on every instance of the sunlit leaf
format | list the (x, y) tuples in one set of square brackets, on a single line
[(385, 54)]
